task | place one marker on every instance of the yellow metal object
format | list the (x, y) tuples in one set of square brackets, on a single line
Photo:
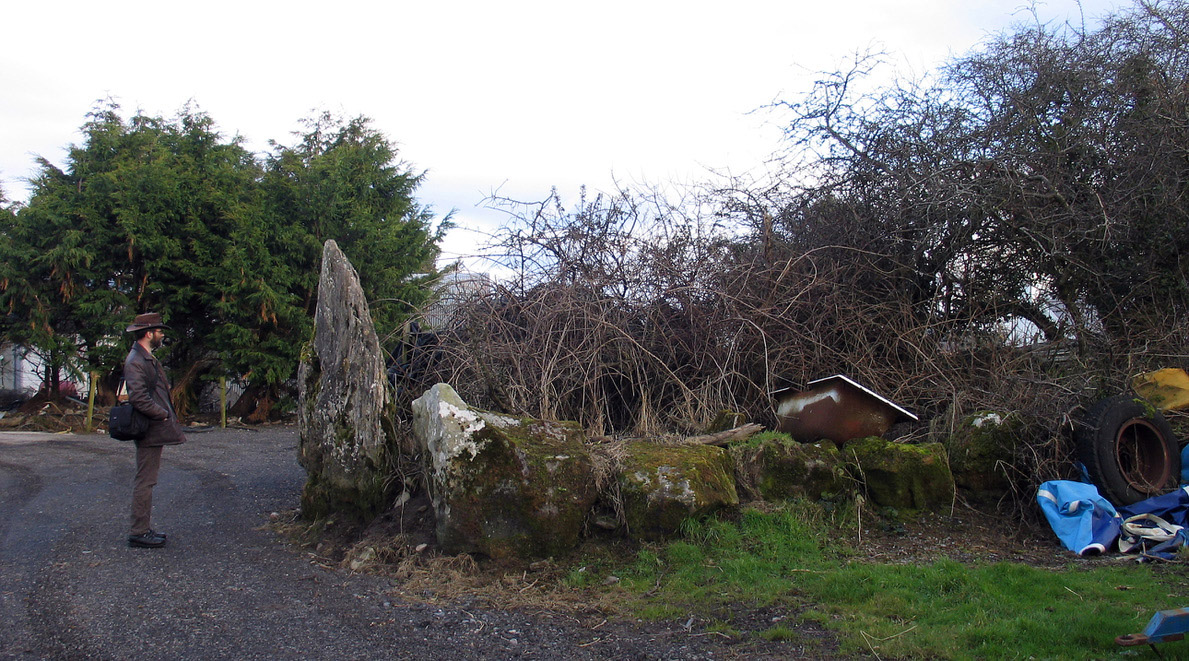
[(1166, 389), (91, 386)]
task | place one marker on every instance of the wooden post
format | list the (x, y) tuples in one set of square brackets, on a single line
[(91, 401), (222, 403)]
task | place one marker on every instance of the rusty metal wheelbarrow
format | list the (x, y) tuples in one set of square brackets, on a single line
[(1165, 626)]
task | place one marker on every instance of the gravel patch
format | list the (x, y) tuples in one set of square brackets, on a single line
[(228, 586)]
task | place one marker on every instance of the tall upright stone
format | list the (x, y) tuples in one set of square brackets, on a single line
[(348, 439)]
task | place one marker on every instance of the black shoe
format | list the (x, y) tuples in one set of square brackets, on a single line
[(149, 540)]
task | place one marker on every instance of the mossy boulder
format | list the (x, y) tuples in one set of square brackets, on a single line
[(981, 452), (501, 486), (661, 486), (772, 466), (900, 475)]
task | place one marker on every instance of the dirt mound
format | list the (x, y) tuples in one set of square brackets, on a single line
[(42, 414)]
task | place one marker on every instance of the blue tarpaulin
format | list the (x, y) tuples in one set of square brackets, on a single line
[(1088, 524), (1172, 507), (1085, 522)]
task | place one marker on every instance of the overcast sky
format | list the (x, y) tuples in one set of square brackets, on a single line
[(512, 96)]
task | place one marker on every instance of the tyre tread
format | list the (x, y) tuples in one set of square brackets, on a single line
[(1094, 438)]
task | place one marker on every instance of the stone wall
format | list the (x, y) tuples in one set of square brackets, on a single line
[(505, 486)]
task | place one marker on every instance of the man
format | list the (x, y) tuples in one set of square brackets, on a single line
[(148, 392)]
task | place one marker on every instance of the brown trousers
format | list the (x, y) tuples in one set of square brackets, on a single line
[(148, 464)]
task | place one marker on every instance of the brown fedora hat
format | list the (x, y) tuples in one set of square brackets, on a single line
[(146, 320)]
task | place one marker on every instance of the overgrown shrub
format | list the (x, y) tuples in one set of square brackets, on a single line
[(1010, 237)]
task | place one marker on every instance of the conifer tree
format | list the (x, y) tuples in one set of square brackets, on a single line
[(342, 181), (167, 216)]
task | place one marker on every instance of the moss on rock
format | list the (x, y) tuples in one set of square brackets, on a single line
[(661, 486), (773, 466), (981, 452), (348, 442), (900, 475), (355, 500), (502, 486)]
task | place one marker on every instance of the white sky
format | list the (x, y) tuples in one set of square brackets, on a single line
[(514, 96)]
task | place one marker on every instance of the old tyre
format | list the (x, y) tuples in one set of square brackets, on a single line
[(1128, 449)]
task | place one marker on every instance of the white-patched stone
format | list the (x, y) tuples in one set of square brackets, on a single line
[(445, 426), (499, 485)]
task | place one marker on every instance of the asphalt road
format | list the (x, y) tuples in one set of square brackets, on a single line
[(226, 586)]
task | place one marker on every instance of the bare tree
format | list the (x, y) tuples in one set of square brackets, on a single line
[(1010, 234)]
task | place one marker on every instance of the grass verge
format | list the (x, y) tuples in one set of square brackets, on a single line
[(782, 574), (794, 557)]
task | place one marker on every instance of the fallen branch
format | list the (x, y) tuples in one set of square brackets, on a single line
[(723, 437)]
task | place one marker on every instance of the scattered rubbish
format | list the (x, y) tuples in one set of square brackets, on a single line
[(1127, 446), (1166, 389), (1088, 524), (1150, 534), (1084, 521), (1128, 449), (835, 408), (1165, 626)]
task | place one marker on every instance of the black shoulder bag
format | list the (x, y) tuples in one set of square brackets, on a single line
[(126, 423)]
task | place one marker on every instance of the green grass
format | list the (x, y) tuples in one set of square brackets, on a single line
[(800, 557), (756, 440), (780, 632)]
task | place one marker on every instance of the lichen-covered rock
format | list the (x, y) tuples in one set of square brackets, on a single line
[(502, 486), (900, 475), (773, 466), (345, 411), (981, 452), (661, 486)]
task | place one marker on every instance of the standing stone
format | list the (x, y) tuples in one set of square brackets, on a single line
[(345, 410)]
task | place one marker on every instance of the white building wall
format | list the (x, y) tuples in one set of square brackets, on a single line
[(18, 369)]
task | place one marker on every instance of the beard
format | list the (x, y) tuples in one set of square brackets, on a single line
[(157, 341)]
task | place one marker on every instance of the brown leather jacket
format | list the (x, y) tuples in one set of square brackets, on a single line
[(148, 392)]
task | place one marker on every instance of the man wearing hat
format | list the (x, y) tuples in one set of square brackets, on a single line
[(148, 392)]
